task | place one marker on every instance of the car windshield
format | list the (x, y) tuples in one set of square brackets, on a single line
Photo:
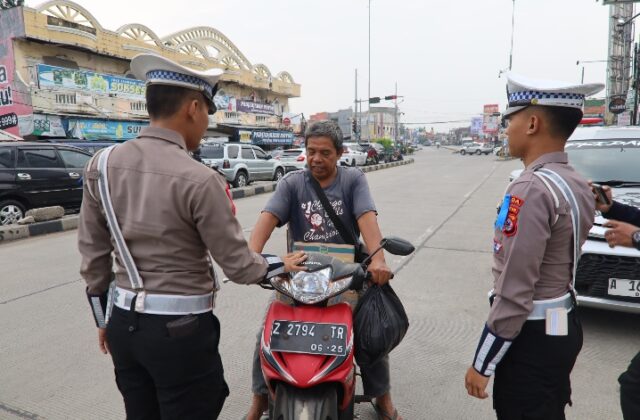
[(606, 160)]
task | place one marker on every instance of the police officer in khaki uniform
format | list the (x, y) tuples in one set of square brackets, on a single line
[(533, 336), (162, 215)]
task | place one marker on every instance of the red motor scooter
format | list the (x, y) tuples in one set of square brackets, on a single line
[(307, 350)]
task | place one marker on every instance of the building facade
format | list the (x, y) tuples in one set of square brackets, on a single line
[(63, 75)]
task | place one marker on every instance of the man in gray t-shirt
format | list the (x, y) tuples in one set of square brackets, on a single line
[(296, 203)]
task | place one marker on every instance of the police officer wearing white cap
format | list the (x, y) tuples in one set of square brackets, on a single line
[(533, 336), (163, 216)]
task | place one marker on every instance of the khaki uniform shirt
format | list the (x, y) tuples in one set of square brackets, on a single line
[(533, 251), (171, 210)]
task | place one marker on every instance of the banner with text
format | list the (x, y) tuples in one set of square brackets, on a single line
[(58, 77)]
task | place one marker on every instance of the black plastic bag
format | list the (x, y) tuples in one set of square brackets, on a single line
[(380, 323)]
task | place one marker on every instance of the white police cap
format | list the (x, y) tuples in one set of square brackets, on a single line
[(523, 92), (157, 70)]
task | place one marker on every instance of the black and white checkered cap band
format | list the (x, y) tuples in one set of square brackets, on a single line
[(179, 79), (525, 98)]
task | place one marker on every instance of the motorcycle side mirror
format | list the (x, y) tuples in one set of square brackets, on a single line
[(392, 245), (397, 246)]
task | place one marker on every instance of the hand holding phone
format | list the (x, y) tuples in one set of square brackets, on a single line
[(601, 194)]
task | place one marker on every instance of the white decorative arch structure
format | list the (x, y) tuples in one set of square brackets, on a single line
[(207, 36), (71, 12), (262, 71), (140, 33), (193, 49), (285, 77)]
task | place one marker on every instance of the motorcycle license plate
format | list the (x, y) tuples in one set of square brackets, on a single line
[(309, 338)]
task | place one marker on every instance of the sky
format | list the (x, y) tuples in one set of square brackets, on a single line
[(445, 56)]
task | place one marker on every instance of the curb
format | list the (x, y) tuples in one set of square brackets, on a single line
[(14, 232)]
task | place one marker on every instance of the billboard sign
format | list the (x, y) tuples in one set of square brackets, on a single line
[(491, 122), (476, 125), (87, 81)]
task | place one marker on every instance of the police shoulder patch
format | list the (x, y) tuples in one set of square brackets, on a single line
[(510, 227)]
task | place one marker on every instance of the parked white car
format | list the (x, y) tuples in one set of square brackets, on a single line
[(293, 159), (477, 149), (607, 278), (352, 155)]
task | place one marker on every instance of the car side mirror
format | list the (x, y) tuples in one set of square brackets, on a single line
[(269, 157)]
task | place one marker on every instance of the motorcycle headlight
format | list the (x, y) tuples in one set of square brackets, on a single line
[(311, 287)]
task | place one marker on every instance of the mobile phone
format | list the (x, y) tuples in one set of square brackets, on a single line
[(602, 196)]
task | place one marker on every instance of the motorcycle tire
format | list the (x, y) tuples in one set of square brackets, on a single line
[(317, 403)]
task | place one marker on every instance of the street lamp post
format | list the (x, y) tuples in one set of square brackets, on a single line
[(588, 62)]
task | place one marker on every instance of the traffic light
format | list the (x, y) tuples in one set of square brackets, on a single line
[(374, 100), (354, 125), (390, 97)]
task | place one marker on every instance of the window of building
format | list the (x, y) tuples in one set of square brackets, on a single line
[(139, 106), (261, 119), (67, 99)]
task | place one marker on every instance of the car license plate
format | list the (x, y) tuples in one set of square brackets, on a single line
[(309, 338), (624, 287)]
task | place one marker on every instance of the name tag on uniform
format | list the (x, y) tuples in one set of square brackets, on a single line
[(557, 322)]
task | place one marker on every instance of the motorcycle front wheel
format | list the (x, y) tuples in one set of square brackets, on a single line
[(318, 403)]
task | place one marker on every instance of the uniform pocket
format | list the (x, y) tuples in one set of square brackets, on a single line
[(183, 327)]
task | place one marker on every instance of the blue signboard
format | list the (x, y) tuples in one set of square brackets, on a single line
[(272, 138), (103, 129)]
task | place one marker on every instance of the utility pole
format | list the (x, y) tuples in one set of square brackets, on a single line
[(356, 125), (369, 90), (395, 118)]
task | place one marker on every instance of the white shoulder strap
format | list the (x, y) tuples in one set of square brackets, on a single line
[(549, 175), (116, 233)]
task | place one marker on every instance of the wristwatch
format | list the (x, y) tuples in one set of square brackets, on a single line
[(635, 239)]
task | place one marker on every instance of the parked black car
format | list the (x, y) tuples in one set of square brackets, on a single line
[(89, 146), (39, 175)]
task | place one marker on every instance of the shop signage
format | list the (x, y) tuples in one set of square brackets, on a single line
[(8, 120), (48, 126), (102, 129), (618, 104), (58, 77), (255, 107), (282, 138)]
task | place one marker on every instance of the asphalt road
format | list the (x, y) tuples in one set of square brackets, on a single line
[(50, 366)]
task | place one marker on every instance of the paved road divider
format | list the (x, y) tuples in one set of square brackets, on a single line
[(13, 232)]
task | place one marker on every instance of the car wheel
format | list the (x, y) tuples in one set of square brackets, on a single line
[(463, 152), (10, 212), (242, 180), (279, 175), (478, 152)]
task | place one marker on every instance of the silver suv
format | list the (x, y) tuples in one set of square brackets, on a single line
[(241, 164)]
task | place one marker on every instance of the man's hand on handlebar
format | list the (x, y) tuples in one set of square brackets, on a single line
[(292, 262), (380, 272)]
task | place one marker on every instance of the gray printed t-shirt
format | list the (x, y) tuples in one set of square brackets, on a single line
[(295, 202)]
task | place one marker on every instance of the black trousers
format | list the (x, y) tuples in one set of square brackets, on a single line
[(630, 390), (532, 381), (163, 376)]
